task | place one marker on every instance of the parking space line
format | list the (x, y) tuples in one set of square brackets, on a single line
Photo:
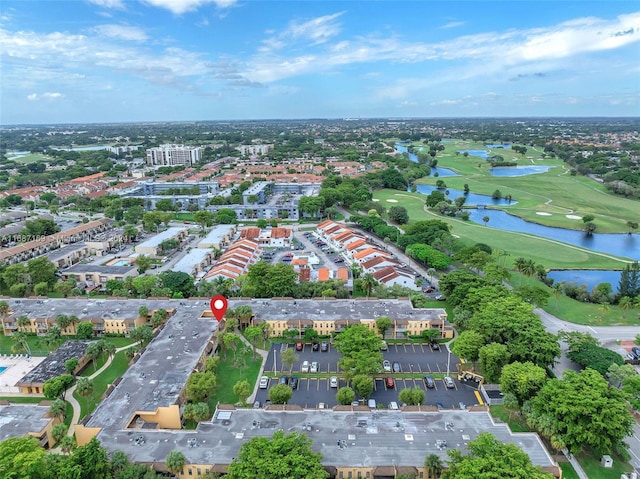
[(439, 370), (478, 397)]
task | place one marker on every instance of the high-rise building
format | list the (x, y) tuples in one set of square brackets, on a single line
[(172, 155)]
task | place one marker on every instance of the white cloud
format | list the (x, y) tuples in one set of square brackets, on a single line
[(316, 31), (44, 96), (122, 32), (115, 4), (183, 6), (451, 25)]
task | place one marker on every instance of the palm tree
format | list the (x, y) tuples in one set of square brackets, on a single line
[(67, 444), (632, 225), (485, 219), (368, 282), (84, 387), (433, 465), (625, 303), (604, 309), (557, 292), (175, 462), (431, 272), (23, 321), (4, 309), (58, 408)]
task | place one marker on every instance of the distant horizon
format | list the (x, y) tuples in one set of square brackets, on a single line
[(392, 118), (105, 61)]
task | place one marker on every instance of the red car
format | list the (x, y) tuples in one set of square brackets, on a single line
[(299, 346)]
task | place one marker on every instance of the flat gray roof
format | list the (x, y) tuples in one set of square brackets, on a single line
[(371, 438), (65, 250), (191, 259), (16, 420), (161, 372), (160, 237), (53, 365), (97, 268), (217, 234)]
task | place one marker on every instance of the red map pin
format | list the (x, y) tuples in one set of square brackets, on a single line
[(219, 306)]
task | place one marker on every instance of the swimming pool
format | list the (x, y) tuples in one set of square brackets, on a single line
[(121, 262), (3, 369)]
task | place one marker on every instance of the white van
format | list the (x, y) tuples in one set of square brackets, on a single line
[(305, 367)]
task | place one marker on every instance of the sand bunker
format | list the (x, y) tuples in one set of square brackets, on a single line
[(375, 199), (392, 201), (573, 217), (543, 213)]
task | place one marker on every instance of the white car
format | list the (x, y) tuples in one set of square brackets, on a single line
[(264, 382), (386, 365), (333, 382), (314, 367), (305, 367)]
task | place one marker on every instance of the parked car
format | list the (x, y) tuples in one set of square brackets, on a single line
[(371, 403), (299, 346), (636, 351), (383, 346), (435, 346), (429, 382), (324, 346), (428, 289), (440, 406), (284, 380), (293, 382), (333, 382), (264, 382), (396, 367), (389, 382), (315, 346), (449, 382), (256, 405), (305, 367), (393, 406), (386, 365), (314, 367), (440, 297)]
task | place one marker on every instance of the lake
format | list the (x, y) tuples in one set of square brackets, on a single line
[(499, 145), (591, 278), (481, 153), (402, 148), (616, 244), (472, 198), (519, 170)]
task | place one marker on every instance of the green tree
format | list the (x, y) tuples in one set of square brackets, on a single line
[(41, 289), (93, 352), (433, 465), (359, 347), (58, 432), (85, 387), (58, 408), (253, 334), (226, 216), (199, 386), (175, 461), (55, 387), (383, 323), (143, 262), (617, 373), (398, 214), (242, 389), (345, 396), (204, 218), (363, 385), (523, 380), (21, 458), (142, 334), (280, 394), (197, 411), (584, 412), (412, 396), (489, 458), (84, 330), (368, 282), (631, 387), (281, 456), (493, 358), (467, 346), (143, 312), (177, 281), (289, 358)]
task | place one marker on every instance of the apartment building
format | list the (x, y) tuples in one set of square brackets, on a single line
[(174, 155)]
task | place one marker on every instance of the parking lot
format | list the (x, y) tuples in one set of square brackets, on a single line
[(413, 358), (306, 243)]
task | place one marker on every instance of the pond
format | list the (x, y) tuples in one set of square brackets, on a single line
[(591, 278), (472, 198), (519, 170), (481, 153), (401, 147), (504, 146), (615, 244)]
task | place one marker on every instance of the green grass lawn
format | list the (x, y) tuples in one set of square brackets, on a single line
[(35, 343), (117, 368), (228, 374), (516, 423), (31, 158), (23, 400), (567, 471), (594, 470)]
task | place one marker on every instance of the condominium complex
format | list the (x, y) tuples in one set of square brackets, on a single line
[(173, 155)]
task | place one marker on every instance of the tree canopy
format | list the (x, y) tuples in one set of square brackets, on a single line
[(279, 457)]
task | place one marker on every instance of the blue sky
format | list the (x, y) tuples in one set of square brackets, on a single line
[(85, 61)]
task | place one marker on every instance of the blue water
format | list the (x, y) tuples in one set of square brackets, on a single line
[(3, 369), (121, 262), (472, 198), (591, 278), (498, 145), (616, 244), (519, 170), (481, 153), (84, 148), (402, 148)]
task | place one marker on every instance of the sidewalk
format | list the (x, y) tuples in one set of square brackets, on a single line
[(264, 354)]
